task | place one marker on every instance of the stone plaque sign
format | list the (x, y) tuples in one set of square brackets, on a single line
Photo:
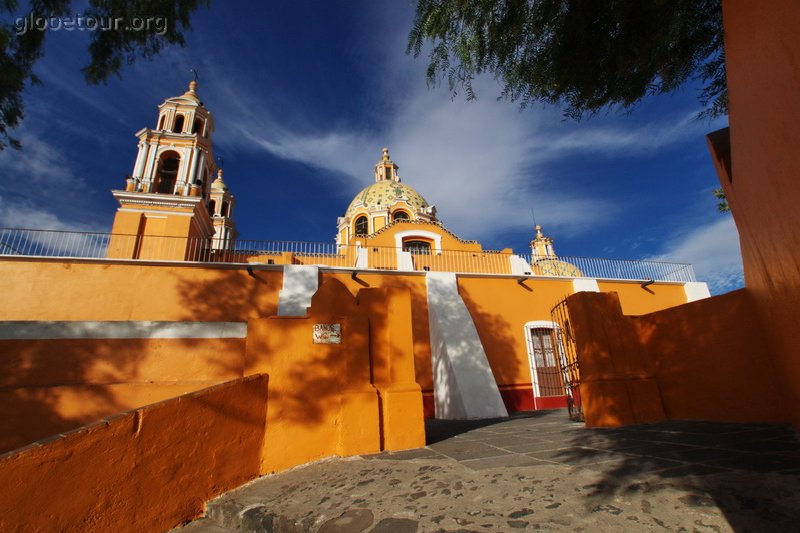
[(327, 333)]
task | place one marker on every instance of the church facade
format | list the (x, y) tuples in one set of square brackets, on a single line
[(172, 210), (478, 326)]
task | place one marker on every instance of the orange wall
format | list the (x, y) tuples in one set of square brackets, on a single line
[(636, 300), (146, 470), (101, 377), (673, 364), (500, 308), (323, 398), (62, 290), (51, 386), (416, 285), (712, 369), (762, 56)]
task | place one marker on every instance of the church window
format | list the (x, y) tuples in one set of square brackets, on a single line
[(212, 206), (161, 122), (400, 215), (362, 225), (226, 209), (167, 173), (417, 247), (388, 172), (179, 120), (198, 126)]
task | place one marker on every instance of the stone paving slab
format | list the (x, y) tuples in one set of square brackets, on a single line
[(675, 476)]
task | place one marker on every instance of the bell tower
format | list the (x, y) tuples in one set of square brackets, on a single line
[(169, 209)]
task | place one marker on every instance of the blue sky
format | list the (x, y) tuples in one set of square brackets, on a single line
[(305, 94)]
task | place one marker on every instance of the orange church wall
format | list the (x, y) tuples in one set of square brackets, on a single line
[(416, 285), (146, 470), (387, 238), (762, 54), (51, 386), (500, 309), (674, 363), (73, 290), (636, 300), (120, 291), (163, 236), (324, 399)]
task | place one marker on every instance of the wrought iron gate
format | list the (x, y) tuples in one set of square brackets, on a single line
[(570, 371)]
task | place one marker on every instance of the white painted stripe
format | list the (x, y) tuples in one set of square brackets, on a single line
[(696, 290), (463, 383), (300, 282), (585, 285), (32, 330)]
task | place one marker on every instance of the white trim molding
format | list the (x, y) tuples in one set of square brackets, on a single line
[(435, 237), (44, 330)]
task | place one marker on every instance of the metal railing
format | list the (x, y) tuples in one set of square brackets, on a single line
[(69, 244)]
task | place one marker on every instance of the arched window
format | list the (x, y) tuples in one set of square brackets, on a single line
[(161, 122), (417, 247), (167, 173), (212, 206), (225, 209), (179, 120), (198, 126), (400, 215), (362, 226)]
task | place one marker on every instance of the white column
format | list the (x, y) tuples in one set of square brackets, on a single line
[(200, 164), (192, 176), (183, 172), (137, 168), (152, 155)]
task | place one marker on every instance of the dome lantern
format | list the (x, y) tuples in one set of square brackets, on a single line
[(386, 169)]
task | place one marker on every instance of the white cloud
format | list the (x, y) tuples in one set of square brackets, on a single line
[(38, 164), (27, 215), (484, 163), (714, 251)]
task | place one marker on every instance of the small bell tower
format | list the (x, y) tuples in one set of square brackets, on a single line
[(167, 210), (220, 207), (541, 246)]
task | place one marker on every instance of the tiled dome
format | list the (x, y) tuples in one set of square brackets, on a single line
[(384, 194)]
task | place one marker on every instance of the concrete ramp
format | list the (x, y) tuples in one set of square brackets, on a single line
[(300, 282), (463, 383)]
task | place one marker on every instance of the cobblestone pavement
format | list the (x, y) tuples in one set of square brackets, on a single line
[(537, 471)]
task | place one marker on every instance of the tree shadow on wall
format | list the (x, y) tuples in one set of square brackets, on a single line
[(497, 337), (48, 387), (316, 384), (749, 471)]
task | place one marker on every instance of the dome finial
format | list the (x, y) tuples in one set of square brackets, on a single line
[(219, 183), (193, 83), (385, 154)]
